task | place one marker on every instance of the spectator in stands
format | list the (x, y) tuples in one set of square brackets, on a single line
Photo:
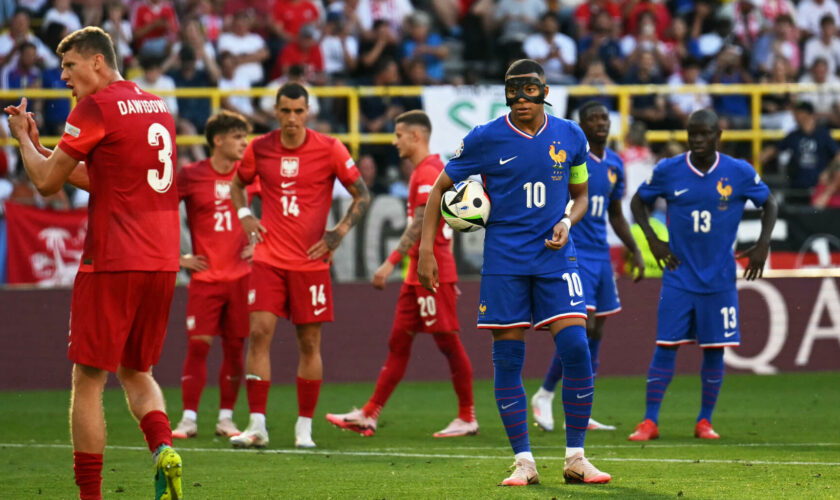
[(210, 14), (247, 47), (23, 73), (155, 26), (377, 50), (289, 16), (556, 52), (392, 12), (596, 75), (19, 32), (601, 44), (339, 48), (681, 105), (516, 19), (587, 10), (7, 10), (420, 42), (824, 99), (62, 13), (119, 28), (827, 192), (645, 40), (450, 13), (90, 12), (747, 20), (188, 74), (378, 112), (632, 11), (153, 79), (204, 54), (231, 79), (680, 44), (772, 9), (348, 10), (782, 42), (809, 14), (258, 11), (825, 46), (649, 108), (303, 51), (810, 149), (733, 109), (777, 108), (55, 110)]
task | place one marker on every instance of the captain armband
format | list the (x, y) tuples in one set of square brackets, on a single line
[(578, 174)]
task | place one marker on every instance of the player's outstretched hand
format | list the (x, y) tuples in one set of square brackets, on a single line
[(559, 237), (381, 275), (757, 255), (195, 263), (427, 272), (662, 252), (637, 267), (253, 229)]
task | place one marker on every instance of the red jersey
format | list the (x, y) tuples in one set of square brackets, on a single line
[(127, 139), (296, 194), (419, 186), (293, 15), (215, 232), (148, 14)]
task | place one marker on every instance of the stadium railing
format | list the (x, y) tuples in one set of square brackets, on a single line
[(354, 138)]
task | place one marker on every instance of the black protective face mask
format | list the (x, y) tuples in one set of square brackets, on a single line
[(519, 83)]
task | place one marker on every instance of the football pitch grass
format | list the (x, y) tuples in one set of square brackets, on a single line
[(780, 439)]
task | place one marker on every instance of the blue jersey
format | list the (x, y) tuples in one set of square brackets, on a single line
[(527, 180), (606, 184), (704, 211)]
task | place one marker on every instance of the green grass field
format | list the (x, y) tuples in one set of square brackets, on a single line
[(780, 439)]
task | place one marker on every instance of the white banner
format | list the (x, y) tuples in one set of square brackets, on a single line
[(454, 111)]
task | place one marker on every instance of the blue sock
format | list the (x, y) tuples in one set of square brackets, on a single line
[(555, 371), (594, 345), (659, 376), (578, 384), (508, 358), (711, 377)]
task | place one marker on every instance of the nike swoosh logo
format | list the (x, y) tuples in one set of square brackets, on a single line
[(502, 162), (575, 302), (652, 379), (713, 380), (430, 322), (287, 184), (581, 396), (681, 191), (505, 407), (729, 334), (319, 311)]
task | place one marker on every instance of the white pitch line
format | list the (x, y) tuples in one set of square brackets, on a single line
[(431, 455), (646, 446)]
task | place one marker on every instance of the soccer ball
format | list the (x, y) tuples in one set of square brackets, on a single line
[(465, 206)]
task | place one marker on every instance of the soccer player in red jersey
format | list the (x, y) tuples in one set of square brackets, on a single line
[(122, 293), (419, 310), (297, 168), (217, 304)]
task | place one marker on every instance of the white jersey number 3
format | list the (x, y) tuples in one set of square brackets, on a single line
[(159, 136)]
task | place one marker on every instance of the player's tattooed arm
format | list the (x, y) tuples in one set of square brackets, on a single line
[(411, 235), (355, 212)]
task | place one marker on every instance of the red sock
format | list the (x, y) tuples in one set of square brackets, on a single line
[(392, 372), (194, 377), (461, 368), (257, 394), (156, 429), (307, 393), (230, 375), (88, 470)]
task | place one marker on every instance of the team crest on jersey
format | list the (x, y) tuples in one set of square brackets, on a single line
[(482, 308), (725, 191), (222, 190), (289, 166), (558, 156), (459, 150), (612, 176)]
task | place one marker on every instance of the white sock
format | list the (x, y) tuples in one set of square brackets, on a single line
[(257, 421), (225, 413), (527, 455), (570, 452), (541, 392), (304, 424), (190, 415)]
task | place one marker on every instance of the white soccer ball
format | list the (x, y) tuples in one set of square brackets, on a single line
[(465, 206)]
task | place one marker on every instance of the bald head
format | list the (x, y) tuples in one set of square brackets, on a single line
[(703, 117)]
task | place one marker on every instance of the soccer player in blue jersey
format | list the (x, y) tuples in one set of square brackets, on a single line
[(532, 164), (606, 189), (705, 192)]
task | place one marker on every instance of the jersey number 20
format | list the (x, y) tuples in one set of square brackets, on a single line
[(159, 136)]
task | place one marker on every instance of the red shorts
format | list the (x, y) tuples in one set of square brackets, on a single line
[(218, 308), (119, 318), (419, 310), (300, 296)]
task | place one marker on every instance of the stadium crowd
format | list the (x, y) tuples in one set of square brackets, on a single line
[(240, 44)]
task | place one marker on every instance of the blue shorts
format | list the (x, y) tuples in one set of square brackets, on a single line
[(521, 301), (710, 319), (599, 286)]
